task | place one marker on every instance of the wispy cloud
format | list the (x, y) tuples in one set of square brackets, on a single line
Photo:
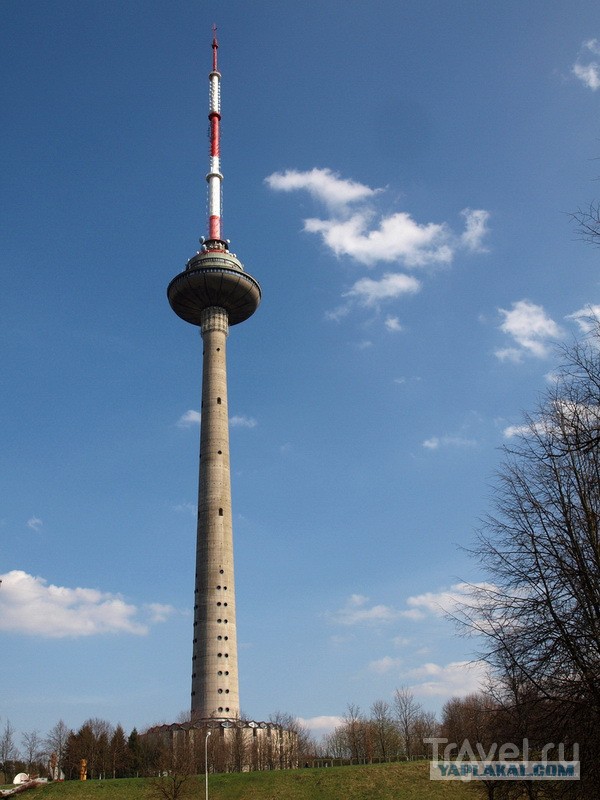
[(371, 292), (436, 442), (587, 69), (443, 602), (531, 329), (456, 678), (321, 725), (586, 318), (475, 229), (358, 611), (188, 419), (35, 523), (385, 664), (186, 508), (32, 607), (393, 324), (241, 421)]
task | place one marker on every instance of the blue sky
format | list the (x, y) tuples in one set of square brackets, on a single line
[(398, 176)]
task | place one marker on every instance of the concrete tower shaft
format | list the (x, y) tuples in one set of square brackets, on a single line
[(215, 691)]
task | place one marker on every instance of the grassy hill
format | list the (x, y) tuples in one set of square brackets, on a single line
[(405, 781)]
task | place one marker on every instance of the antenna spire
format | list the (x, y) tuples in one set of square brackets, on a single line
[(214, 177), (215, 47)]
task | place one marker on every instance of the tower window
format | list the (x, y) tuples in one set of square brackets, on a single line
[(220, 512), (218, 401)]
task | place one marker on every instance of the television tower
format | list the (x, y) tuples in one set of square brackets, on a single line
[(214, 292)]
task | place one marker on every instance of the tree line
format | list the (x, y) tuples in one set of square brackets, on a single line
[(390, 731), (108, 752)]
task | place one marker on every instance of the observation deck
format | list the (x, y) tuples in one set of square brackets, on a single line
[(214, 277)]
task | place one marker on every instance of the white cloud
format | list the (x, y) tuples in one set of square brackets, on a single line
[(509, 354), (593, 45), (589, 72), (586, 318), (530, 327), (393, 324), (35, 523), (357, 611), (159, 612), (456, 678), (397, 238), (435, 442), (371, 292), (370, 237), (188, 419), (322, 724), (385, 664), (516, 430), (475, 229), (240, 421), (32, 607), (565, 413), (323, 184), (442, 602)]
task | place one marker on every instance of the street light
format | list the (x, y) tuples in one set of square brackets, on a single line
[(206, 761)]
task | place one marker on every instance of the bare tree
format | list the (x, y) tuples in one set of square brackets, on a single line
[(56, 742), (176, 770), (32, 748), (354, 724), (407, 711), (588, 222), (386, 738), (8, 749), (539, 612), (298, 745)]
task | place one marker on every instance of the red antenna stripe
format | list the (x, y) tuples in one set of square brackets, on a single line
[(214, 136)]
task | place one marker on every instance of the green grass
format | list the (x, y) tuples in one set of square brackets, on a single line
[(404, 781)]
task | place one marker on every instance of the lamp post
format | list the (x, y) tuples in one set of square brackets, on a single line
[(206, 762)]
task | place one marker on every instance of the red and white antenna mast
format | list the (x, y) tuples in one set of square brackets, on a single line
[(214, 177)]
